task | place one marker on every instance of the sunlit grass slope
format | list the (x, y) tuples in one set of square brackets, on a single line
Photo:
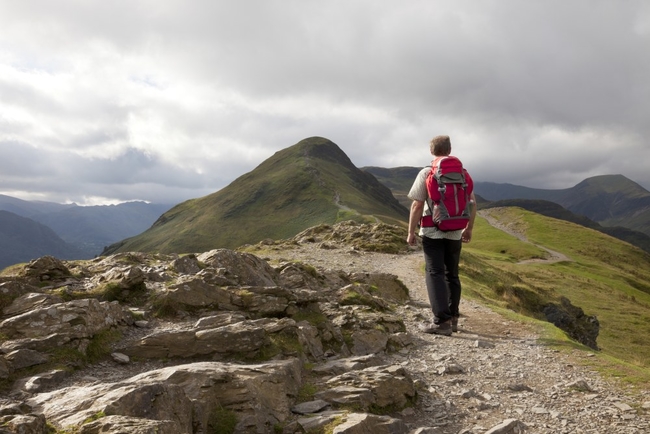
[(310, 183), (605, 277)]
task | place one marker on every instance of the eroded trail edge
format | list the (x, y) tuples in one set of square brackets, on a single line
[(494, 374)]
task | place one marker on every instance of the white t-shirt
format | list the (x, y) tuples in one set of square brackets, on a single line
[(419, 192)]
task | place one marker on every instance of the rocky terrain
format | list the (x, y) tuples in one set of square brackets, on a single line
[(315, 334)]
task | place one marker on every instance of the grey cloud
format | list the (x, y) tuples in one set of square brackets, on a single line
[(69, 177), (539, 93), (20, 162)]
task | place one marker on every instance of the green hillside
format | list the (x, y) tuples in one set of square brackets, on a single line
[(552, 209), (398, 179), (603, 276), (310, 183), (611, 200)]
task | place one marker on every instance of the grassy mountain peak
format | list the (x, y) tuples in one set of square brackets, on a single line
[(615, 184), (310, 183), (611, 200)]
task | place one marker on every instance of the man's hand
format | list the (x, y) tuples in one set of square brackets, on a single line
[(467, 235), (415, 215), (411, 239)]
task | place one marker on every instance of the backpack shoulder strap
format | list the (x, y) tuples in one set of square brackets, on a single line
[(435, 165)]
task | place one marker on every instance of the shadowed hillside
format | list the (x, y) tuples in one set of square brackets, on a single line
[(89, 229), (23, 239), (92, 228), (310, 183), (398, 179), (30, 209)]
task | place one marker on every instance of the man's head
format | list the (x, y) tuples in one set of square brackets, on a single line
[(440, 146)]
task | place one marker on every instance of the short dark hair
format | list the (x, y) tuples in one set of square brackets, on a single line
[(440, 146)]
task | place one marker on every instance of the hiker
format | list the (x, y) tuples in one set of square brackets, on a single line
[(441, 247)]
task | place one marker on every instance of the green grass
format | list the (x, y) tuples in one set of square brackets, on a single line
[(13, 270), (314, 318), (605, 277), (100, 344), (223, 421), (279, 344), (330, 427), (94, 417), (356, 296), (307, 392), (500, 246), (134, 295)]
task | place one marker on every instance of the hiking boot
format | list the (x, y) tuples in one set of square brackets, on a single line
[(444, 328), (454, 324)]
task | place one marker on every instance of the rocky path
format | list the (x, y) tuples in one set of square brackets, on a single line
[(494, 370), (494, 375)]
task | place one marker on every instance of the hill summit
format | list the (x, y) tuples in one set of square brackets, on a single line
[(310, 183)]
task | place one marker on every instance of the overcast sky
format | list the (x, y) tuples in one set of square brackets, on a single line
[(167, 100)]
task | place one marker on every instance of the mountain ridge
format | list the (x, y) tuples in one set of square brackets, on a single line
[(88, 229), (609, 200), (29, 208), (93, 228), (309, 183), (23, 239)]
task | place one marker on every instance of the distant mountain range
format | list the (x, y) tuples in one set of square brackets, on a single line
[(31, 229), (611, 200), (611, 204), (23, 239), (310, 183)]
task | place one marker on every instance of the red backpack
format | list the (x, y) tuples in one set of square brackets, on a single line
[(449, 186)]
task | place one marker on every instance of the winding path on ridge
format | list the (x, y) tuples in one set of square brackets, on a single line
[(488, 215)]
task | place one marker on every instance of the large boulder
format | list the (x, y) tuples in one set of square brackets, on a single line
[(238, 338), (362, 423), (30, 301), (45, 269), (379, 386), (257, 396), (572, 320), (243, 268), (130, 425), (11, 290), (75, 319)]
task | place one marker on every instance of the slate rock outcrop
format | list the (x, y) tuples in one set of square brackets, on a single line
[(220, 341)]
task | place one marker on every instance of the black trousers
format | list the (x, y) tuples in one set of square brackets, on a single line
[(441, 258)]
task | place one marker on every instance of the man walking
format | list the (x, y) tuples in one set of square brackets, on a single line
[(441, 248)]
